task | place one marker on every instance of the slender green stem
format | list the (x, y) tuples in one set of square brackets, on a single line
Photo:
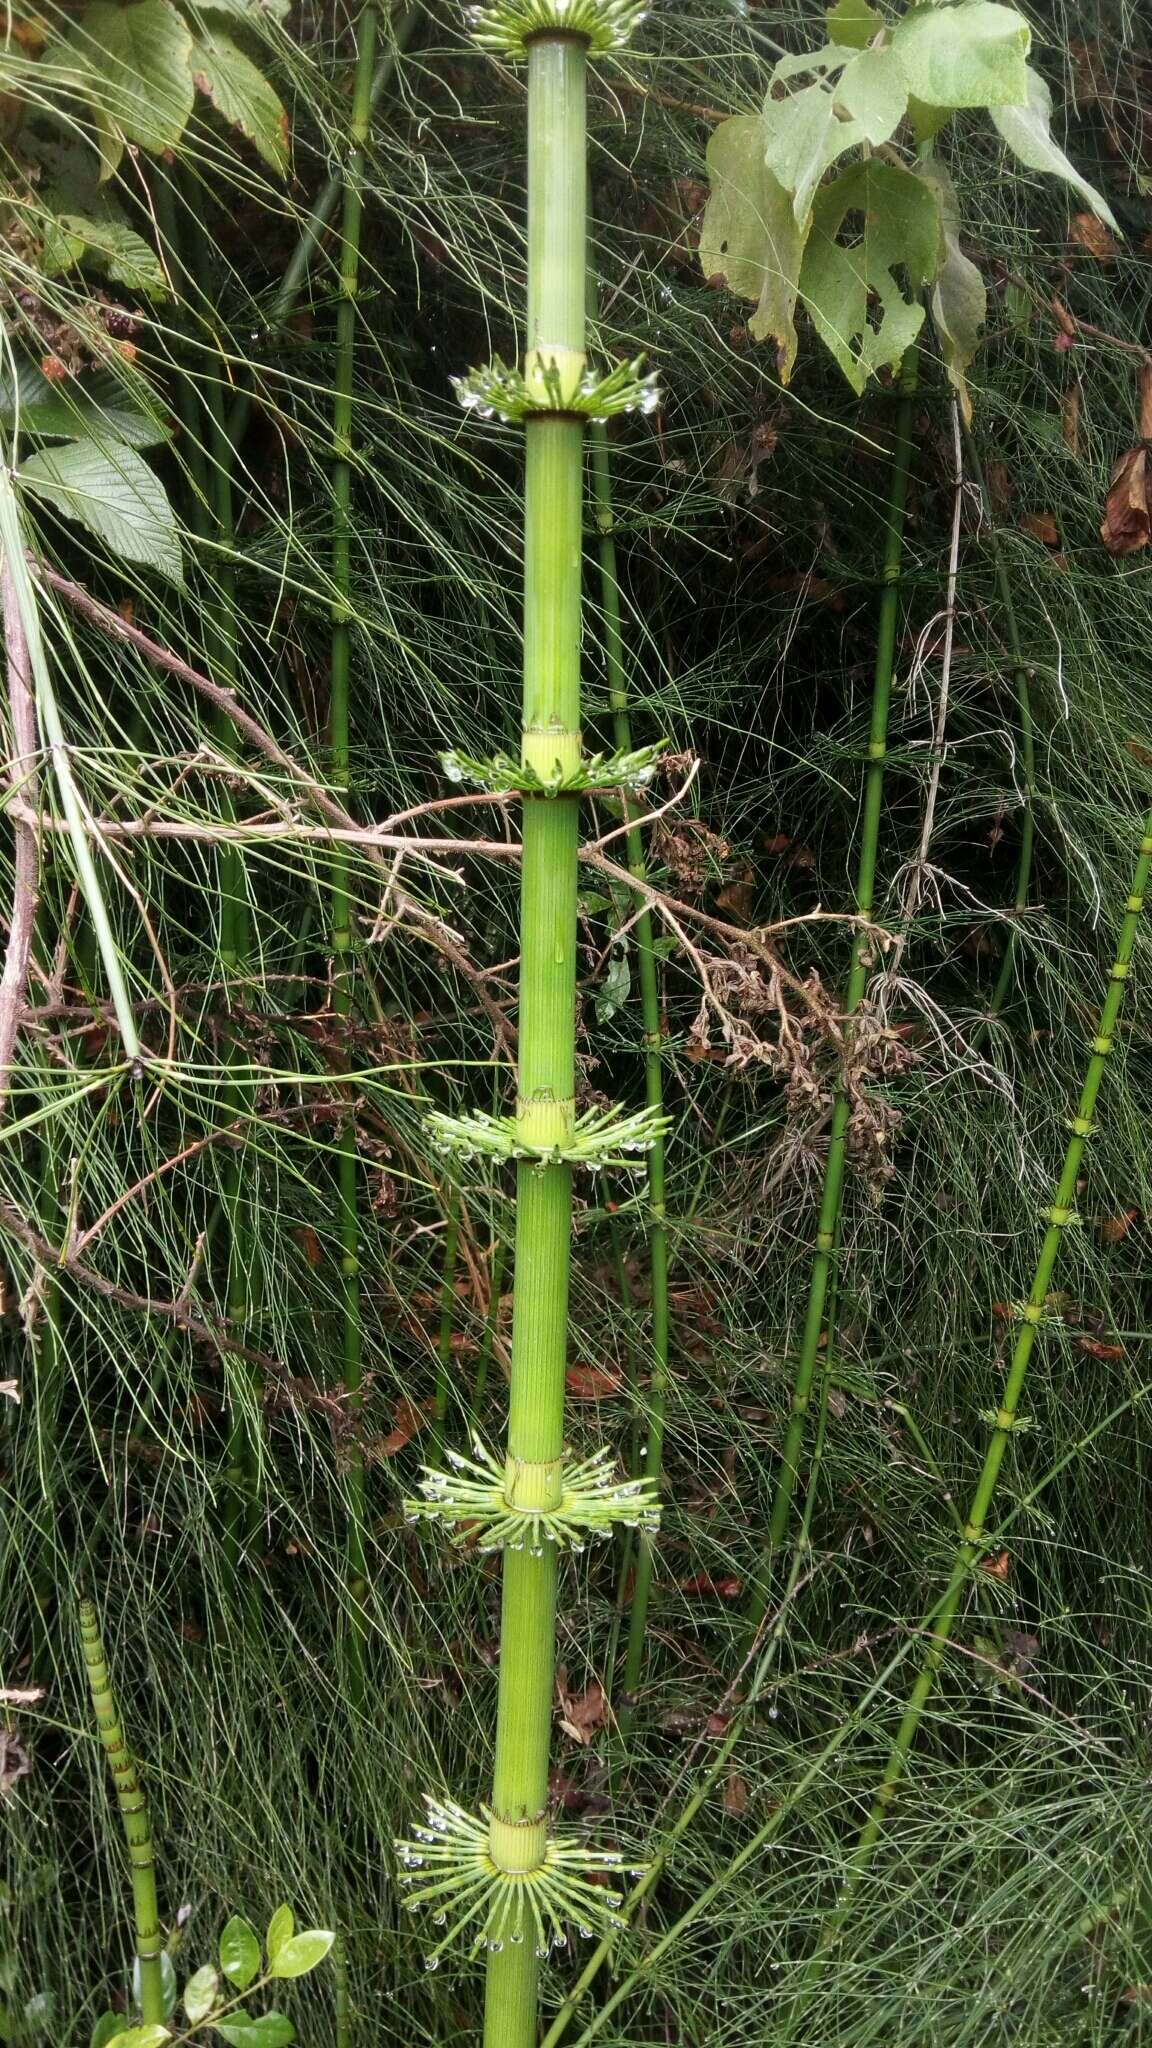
[(652, 1454), (340, 910), (1021, 680), (1032, 1314), (488, 1341), (816, 1339), (557, 68), (447, 1309), (134, 1817)]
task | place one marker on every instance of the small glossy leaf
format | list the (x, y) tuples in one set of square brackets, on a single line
[(281, 1928), (267, 2030), (1026, 131), (239, 1953), (971, 55), (115, 495), (242, 95), (141, 2037), (873, 90), (749, 236), (853, 23), (106, 2029), (863, 313), (301, 1953), (138, 61), (201, 1993)]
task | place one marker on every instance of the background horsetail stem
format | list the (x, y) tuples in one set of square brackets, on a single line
[(553, 505), (343, 965), (1027, 741), (134, 1815), (938, 1622), (651, 1460), (818, 1325)]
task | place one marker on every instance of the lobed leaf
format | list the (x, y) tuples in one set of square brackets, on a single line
[(969, 55), (750, 237), (1026, 130), (865, 314)]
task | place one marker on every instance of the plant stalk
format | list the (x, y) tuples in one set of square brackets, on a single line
[(817, 1335), (134, 1816)]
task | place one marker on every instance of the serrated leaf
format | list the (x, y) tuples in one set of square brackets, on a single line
[(970, 55), (873, 90), (248, 10), (865, 315), (85, 408), (138, 60), (853, 23), (201, 1993), (141, 2037), (106, 2029), (959, 296), (301, 1953), (108, 245), (281, 1928), (267, 2030), (749, 235), (241, 94), (108, 489), (239, 1953), (1026, 130)]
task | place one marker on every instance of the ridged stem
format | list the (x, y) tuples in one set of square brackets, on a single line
[(937, 1624), (652, 1457), (816, 1338), (553, 496), (340, 913), (134, 1817)]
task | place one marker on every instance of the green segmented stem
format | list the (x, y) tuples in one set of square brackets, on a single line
[(134, 1816), (816, 1339), (553, 494), (651, 1460), (938, 1622), (340, 909)]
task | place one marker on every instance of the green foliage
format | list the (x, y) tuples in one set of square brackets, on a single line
[(864, 314), (113, 493)]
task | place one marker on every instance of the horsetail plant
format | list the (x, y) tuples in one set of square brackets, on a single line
[(152, 1993), (1005, 1420), (504, 1876)]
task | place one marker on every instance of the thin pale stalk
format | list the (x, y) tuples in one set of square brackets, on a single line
[(447, 1309), (816, 1339), (651, 1459), (135, 1820)]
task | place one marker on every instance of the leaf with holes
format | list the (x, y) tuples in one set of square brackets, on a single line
[(1026, 130), (138, 62), (873, 91), (242, 95), (971, 55), (115, 495), (750, 237), (864, 313), (802, 137)]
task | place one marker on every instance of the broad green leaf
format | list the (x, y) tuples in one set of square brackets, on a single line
[(801, 138), (85, 408), (116, 496), (201, 1993), (863, 313), (854, 23), (281, 1928), (301, 1953), (749, 234), (106, 2029), (241, 94), (39, 2011), (248, 10), (873, 91), (616, 986), (971, 55), (1026, 131), (141, 2037), (959, 296), (138, 58), (926, 121), (267, 2030), (239, 1953), (108, 245), (829, 59)]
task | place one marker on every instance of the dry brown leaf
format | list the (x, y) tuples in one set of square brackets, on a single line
[(591, 1383), (408, 1417), (1041, 526), (1127, 522), (996, 1567), (1113, 1229), (1091, 234), (582, 1715), (1070, 419), (735, 1795)]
